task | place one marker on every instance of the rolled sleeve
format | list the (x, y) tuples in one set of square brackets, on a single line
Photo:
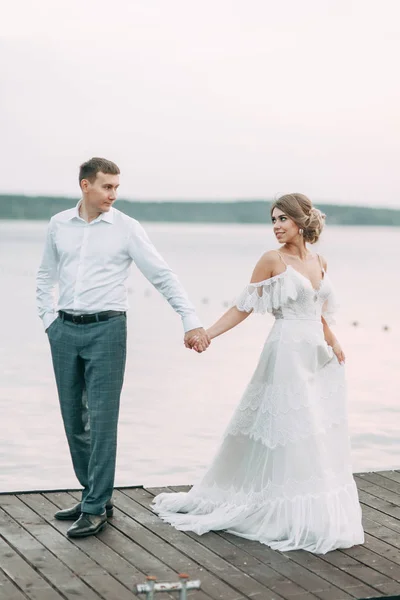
[(191, 322)]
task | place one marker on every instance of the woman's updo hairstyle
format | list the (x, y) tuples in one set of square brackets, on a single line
[(300, 209)]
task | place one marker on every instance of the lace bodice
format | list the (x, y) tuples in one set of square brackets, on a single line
[(290, 295)]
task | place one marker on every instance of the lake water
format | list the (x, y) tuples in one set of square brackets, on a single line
[(176, 403)]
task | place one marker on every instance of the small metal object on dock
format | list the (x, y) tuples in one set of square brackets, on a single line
[(151, 587)]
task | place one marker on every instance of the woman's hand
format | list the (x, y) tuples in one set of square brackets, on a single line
[(337, 349), (197, 339)]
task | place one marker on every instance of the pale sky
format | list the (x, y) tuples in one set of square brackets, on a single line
[(211, 99)]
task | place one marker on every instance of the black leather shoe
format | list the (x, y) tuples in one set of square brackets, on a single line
[(87, 525), (72, 514)]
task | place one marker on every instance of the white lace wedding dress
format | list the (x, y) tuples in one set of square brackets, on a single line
[(282, 474)]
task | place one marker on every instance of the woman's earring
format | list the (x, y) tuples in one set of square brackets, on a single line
[(301, 232)]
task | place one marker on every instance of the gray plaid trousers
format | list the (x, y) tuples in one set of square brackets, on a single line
[(89, 365)]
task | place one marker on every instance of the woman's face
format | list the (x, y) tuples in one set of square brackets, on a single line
[(284, 227)]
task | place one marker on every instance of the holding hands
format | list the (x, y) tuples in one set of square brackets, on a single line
[(197, 339)]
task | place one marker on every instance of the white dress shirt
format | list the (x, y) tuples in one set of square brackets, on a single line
[(91, 261)]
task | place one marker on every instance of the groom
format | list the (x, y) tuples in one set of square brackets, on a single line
[(88, 252)]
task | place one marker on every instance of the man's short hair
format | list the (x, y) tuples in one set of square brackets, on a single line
[(90, 168)]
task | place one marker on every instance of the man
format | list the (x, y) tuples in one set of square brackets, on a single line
[(88, 252)]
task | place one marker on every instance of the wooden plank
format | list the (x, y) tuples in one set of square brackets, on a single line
[(377, 516), (346, 586), (364, 572), (8, 589), (382, 506), (364, 484), (322, 565), (25, 577), (154, 491), (68, 568), (394, 475), (381, 548), (367, 556), (325, 566), (243, 583), (134, 531), (386, 483), (48, 565), (382, 533)]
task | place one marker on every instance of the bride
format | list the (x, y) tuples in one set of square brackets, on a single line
[(282, 474)]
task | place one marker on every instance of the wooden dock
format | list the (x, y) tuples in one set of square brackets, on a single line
[(39, 562)]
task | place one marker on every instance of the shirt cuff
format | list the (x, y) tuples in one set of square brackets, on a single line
[(48, 319), (191, 322)]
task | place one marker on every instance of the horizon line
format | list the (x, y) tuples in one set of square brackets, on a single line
[(222, 200)]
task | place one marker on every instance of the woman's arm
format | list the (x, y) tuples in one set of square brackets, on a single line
[(263, 270), (228, 321), (332, 341), (329, 336)]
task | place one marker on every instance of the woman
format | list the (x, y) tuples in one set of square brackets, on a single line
[(282, 475)]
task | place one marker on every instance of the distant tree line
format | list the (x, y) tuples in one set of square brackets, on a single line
[(240, 211)]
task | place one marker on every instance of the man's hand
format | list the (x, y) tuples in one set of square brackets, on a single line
[(197, 339)]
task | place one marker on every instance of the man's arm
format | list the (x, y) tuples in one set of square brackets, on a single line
[(156, 270), (46, 279)]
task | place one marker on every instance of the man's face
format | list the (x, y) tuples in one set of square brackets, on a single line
[(102, 193)]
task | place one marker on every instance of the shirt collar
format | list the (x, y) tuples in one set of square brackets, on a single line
[(108, 217)]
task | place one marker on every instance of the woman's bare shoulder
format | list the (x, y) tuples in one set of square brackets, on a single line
[(323, 262), (271, 257), (267, 266)]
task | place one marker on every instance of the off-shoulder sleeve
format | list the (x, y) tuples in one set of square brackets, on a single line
[(329, 309), (267, 296)]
